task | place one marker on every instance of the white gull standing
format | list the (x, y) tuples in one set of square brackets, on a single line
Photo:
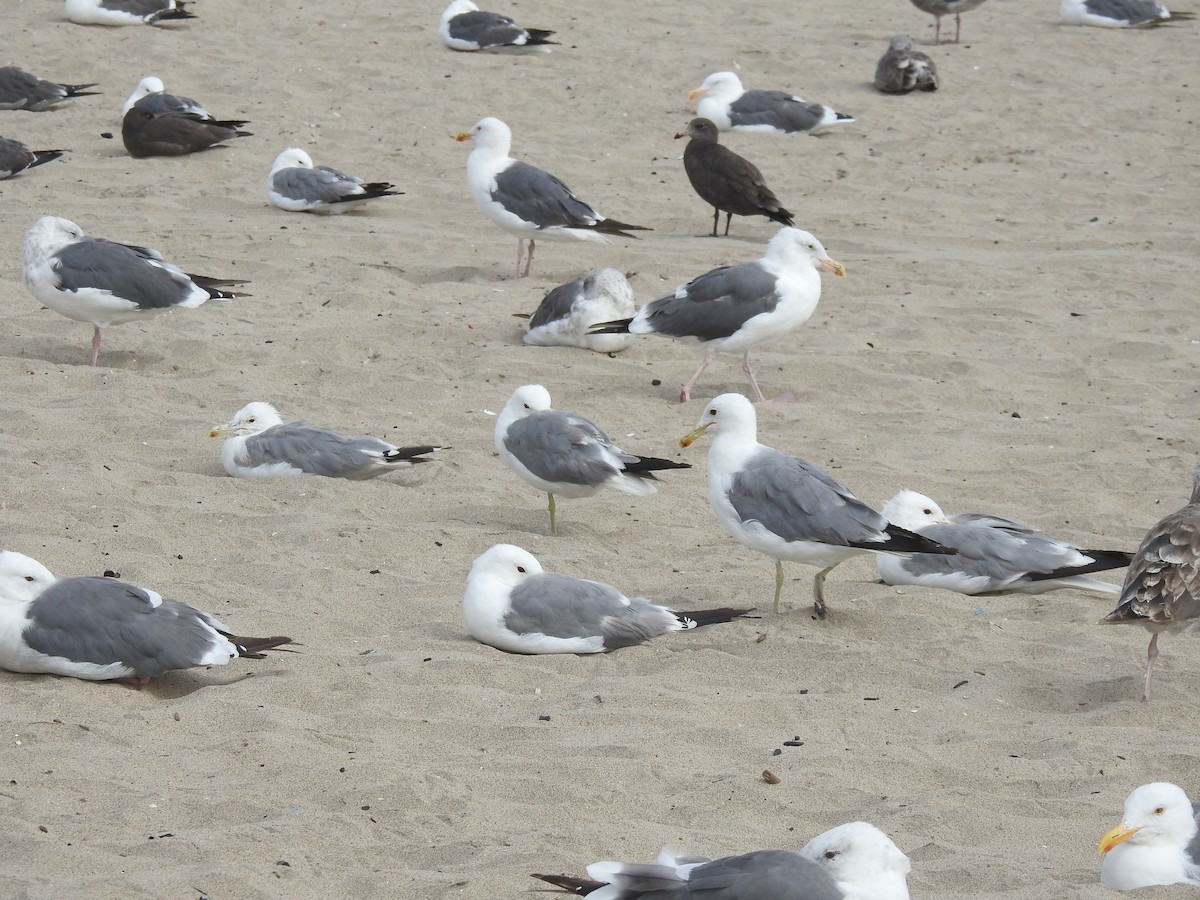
[(105, 283), (525, 200), (296, 185), (1157, 842), (785, 507), (258, 443), (939, 8), (512, 604), (101, 629), (733, 309), (731, 107), (126, 12), (855, 861), (465, 27), (994, 555), (565, 454), (20, 90), (568, 313), (1119, 13), (1162, 586)]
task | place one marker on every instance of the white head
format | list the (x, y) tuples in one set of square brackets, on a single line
[(291, 158), (900, 42), (22, 578), (47, 236), (504, 565), (606, 281), (457, 8), (528, 399), (721, 86), (913, 511), (1157, 814), (489, 133), (862, 860), (148, 85), (728, 414), (793, 246), (253, 418)]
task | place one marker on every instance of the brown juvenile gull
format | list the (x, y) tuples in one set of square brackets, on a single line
[(157, 123), (855, 861), (903, 69), (568, 313), (1119, 13), (566, 455), (126, 12), (102, 629), (20, 90), (105, 283), (785, 507), (723, 100), (733, 309), (725, 181), (525, 200), (1157, 842), (1162, 586), (467, 28), (512, 604), (939, 8), (15, 157)]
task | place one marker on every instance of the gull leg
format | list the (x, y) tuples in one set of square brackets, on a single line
[(95, 344), (937, 29), (528, 259), (778, 583), (553, 524), (728, 216), (819, 591), (686, 392), (957, 26), (716, 219), (1151, 656), (758, 394), (520, 255)]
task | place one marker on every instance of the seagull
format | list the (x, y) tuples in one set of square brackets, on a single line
[(566, 455), (93, 280), (1162, 586), (994, 555), (259, 444), (465, 27), (733, 309), (296, 185), (524, 199), (569, 312), (15, 157), (20, 90), (939, 8), (512, 604), (101, 629), (730, 106), (903, 69), (1157, 842), (787, 508), (126, 12), (1119, 13), (156, 123), (726, 181), (152, 95), (855, 861)]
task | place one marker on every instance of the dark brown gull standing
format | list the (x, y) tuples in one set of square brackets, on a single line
[(902, 69), (939, 8), (464, 26), (20, 90), (725, 181), (102, 629), (126, 12), (15, 157), (157, 123), (1162, 587)]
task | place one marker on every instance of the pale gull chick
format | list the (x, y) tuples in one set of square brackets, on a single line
[(568, 313), (902, 69), (1157, 842)]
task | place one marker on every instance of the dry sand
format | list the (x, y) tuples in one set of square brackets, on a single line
[(1015, 333)]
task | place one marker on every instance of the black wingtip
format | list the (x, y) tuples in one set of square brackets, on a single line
[(616, 326), (572, 883), (255, 647)]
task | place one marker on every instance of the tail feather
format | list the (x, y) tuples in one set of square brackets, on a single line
[(701, 617), (782, 217), (178, 13), (253, 647), (645, 466), (216, 286), (612, 226), (410, 454), (45, 156), (80, 90), (539, 36), (572, 883), (1103, 560), (901, 540), (616, 326)]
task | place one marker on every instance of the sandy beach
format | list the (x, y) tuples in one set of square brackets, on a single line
[(1016, 333)]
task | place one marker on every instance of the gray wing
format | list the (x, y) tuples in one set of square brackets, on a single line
[(1138, 12), (136, 7), (161, 103), (715, 304), (562, 447), (132, 273), (317, 451), (1193, 847), (14, 157), (145, 133), (799, 502), (485, 29), (776, 108), (557, 304), (1162, 585), (103, 621), (538, 197), (994, 552), (778, 874), (320, 184), (561, 606), (20, 90)]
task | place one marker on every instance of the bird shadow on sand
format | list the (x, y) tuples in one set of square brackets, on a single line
[(177, 685)]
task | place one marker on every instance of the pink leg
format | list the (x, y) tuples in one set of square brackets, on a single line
[(528, 259), (758, 394), (685, 392), (957, 26), (1151, 656), (95, 344)]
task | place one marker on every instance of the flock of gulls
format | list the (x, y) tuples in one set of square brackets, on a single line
[(784, 507)]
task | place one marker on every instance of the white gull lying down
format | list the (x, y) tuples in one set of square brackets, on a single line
[(1119, 13), (787, 508), (126, 12), (20, 90), (465, 27), (296, 185), (994, 555), (731, 107), (855, 861), (569, 312), (565, 454), (258, 444), (15, 157), (512, 604), (105, 283), (100, 629), (1157, 842)]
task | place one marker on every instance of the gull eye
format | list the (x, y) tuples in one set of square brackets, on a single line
[(928, 512), (831, 854), (526, 405), (521, 569), (251, 419), (712, 412), (29, 578), (1159, 810)]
